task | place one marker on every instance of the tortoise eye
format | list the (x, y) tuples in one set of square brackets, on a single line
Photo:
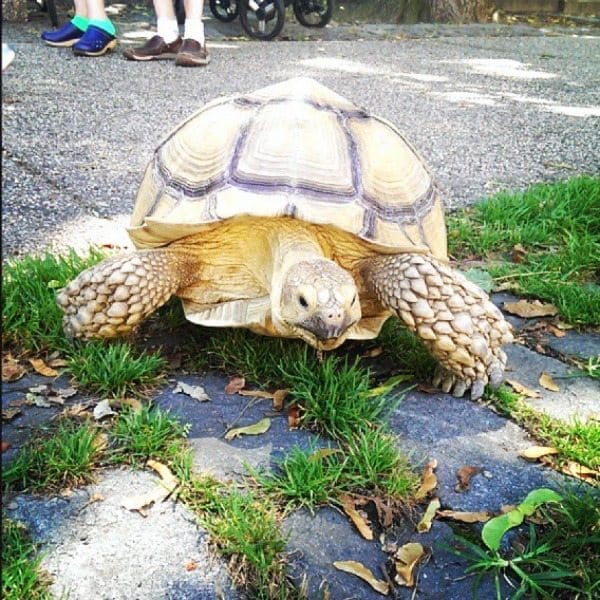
[(353, 301), (302, 301)]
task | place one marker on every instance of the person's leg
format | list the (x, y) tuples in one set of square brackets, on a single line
[(70, 33), (100, 36), (193, 51), (167, 41)]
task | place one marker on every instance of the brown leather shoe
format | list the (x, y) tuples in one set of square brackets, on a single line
[(154, 49), (192, 54)]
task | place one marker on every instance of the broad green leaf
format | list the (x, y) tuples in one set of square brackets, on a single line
[(481, 278), (536, 498), (257, 428), (493, 531)]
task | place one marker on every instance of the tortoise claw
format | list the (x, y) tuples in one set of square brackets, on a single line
[(477, 389)]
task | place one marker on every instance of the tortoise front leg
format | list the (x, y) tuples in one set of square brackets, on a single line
[(454, 318), (112, 297)]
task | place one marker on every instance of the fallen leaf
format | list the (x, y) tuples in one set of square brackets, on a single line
[(356, 568), (373, 353), (191, 565), (100, 442), (424, 524), (564, 326), (407, 557), (530, 308), (5, 446), (294, 417), (278, 397), (133, 403), (37, 400), (66, 392), (427, 388), (8, 414), (42, 368), (384, 511), (197, 392), (548, 383), (12, 370), (556, 331), (535, 452), (580, 471), (103, 409), (77, 410), (428, 480), (255, 394), (464, 517), (167, 486), (518, 254), (522, 390), (359, 522), (58, 362), (464, 475), (235, 385), (505, 508), (257, 428)]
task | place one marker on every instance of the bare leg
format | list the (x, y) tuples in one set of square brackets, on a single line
[(95, 10), (112, 298), (453, 317)]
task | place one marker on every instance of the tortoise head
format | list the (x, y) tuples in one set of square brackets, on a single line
[(318, 303)]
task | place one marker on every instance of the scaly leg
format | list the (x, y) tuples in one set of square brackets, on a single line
[(112, 297), (453, 317)]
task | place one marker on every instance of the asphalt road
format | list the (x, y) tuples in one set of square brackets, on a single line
[(488, 111)]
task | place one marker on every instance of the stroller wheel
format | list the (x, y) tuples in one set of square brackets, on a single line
[(262, 19)]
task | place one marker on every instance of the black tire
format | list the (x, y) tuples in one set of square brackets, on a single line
[(225, 10), (51, 7), (314, 13), (180, 12), (264, 23)]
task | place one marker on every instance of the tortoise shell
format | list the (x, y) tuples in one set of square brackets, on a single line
[(295, 149)]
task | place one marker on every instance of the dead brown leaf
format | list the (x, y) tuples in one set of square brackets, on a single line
[(407, 557), (133, 403), (358, 569), (424, 525), (360, 523), (523, 390), (235, 385), (373, 353), (167, 486), (294, 417), (580, 471), (427, 389), (278, 397), (464, 475), (256, 394), (8, 414), (548, 383), (535, 452), (385, 512), (464, 517), (5, 446), (506, 508), (12, 370), (58, 362), (428, 480), (100, 442), (518, 254), (42, 368), (191, 565), (530, 308), (556, 331)]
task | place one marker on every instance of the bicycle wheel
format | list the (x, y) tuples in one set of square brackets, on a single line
[(262, 19), (314, 13), (224, 10)]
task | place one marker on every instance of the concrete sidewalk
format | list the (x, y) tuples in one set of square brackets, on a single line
[(487, 111)]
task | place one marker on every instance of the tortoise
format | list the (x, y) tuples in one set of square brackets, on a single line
[(294, 213)]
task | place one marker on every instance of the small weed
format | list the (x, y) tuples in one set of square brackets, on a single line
[(148, 433), (115, 368), (31, 318), (560, 558), (244, 528), (21, 574), (575, 441), (558, 225), (58, 458)]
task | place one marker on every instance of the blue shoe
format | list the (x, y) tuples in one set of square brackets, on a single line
[(95, 42), (64, 37)]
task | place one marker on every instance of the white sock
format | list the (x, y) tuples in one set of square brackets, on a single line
[(194, 29), (167, 29)]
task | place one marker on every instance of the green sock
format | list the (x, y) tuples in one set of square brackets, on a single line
[(80, 22), (105, 25)]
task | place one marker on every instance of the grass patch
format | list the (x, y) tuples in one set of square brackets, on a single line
[(21, 574), (244, 528), (558, 225), (31, 318), (148, 433), (575, 441), (59, 457), (559, 559), (115, 368)]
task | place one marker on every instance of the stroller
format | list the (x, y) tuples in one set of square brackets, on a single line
[(263, 19)]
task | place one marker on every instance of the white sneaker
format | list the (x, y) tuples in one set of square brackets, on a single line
[(8, 55)]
